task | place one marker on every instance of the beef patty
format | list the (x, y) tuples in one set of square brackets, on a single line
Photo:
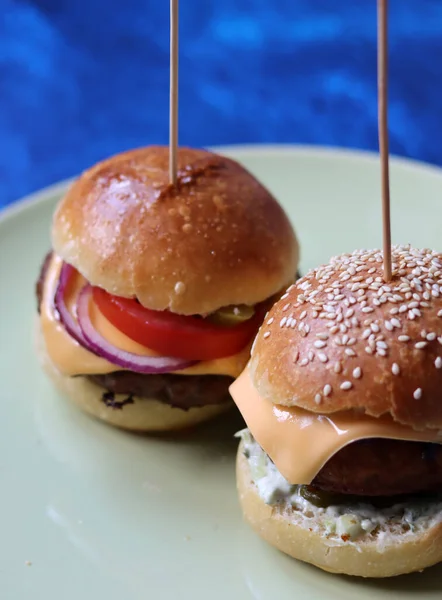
[(381, 467), (179, 391)]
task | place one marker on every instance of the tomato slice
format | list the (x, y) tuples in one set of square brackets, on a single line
[(180, 336)]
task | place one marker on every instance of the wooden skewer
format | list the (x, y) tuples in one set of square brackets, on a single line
[(383, 131), (173, 99)]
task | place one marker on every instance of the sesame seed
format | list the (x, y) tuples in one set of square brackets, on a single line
[(180, 288), (438, 363), (270, 321), (304, 362), (295, 355), (282, 322), (319, 344), (338, 367), (395, 369), (417, 282), (417, 395), (327, 390), (357, 373), (420, 345), (266, 335), (318, 398), (285, 307), (346, 385)]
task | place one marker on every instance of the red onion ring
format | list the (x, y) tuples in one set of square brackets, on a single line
[(68, 321), (126, 360)]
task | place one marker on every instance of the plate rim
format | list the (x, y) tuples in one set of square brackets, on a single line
[(40, 199), (367, 156)]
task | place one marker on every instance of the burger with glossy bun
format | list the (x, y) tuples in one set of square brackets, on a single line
[(152, 294), (341, 464)]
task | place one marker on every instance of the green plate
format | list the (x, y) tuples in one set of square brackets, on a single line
[(90, 512)]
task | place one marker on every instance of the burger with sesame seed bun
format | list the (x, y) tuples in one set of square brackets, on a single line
[(152, 294), (341, 463)]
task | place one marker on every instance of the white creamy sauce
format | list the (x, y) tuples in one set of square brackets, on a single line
[(342, 523)]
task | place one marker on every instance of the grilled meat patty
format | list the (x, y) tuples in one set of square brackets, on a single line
[(381, 467), (179, 391)]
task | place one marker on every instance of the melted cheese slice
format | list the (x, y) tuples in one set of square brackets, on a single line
[(300, 442), (71, 358)]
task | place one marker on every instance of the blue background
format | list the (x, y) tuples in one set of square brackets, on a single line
[(81, 79)]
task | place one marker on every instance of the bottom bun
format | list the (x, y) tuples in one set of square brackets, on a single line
[(143, 415), (294, 534)]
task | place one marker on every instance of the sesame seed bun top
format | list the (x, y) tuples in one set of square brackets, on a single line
[(217, 238), (341, 338)]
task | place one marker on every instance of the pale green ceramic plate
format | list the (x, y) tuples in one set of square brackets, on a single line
[(104, 515)]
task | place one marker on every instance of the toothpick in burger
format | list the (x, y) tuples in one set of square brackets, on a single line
[(341, 464), (153, 293)]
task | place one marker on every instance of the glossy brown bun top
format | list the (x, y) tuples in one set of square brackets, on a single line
[(341, 338), (217, 238)]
